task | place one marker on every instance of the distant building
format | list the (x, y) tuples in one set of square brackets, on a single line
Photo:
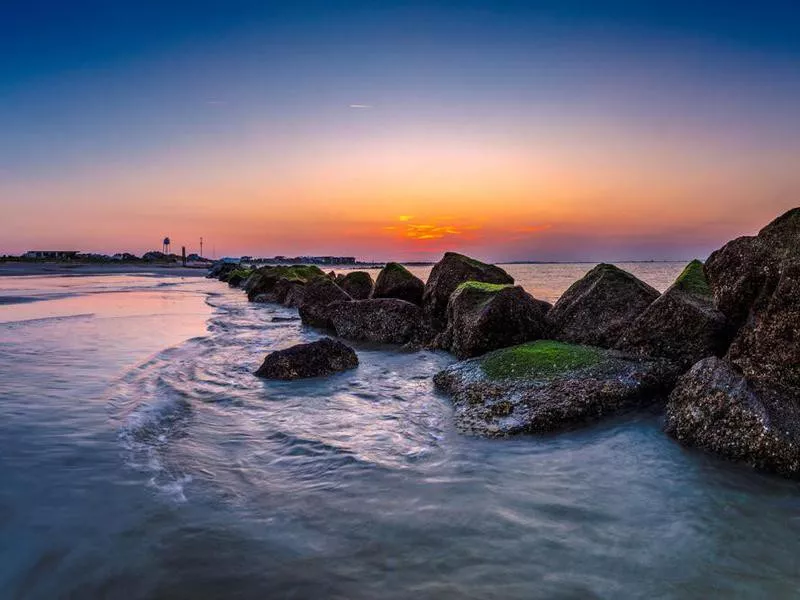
[(124, 256), (52, 254)]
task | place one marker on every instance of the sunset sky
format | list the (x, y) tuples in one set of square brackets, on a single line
[(555, 130)]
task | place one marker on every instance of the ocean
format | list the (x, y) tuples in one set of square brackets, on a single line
[(140, 458)]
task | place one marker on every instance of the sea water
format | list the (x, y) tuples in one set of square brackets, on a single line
[(140, 458)]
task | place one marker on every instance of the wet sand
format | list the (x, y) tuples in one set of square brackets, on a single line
[(72, 268)]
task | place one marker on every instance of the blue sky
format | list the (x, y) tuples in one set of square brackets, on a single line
[(126, 111)]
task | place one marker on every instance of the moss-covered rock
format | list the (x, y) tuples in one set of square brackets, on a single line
[(239, 276), (548, 386), (597, 308), (222, 270), (288, 292), (486, 316), (692, 280), (544, 358), (395, 281), (268, 277), (446, 275), (682, 324), (357, 283)]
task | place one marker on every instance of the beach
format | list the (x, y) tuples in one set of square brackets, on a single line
[(11, 268)]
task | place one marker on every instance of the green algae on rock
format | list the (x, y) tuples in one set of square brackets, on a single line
[(481, 286), (542, 358), (549, 386), (446, 275), (693, 279), (286, 278), (237, 277)]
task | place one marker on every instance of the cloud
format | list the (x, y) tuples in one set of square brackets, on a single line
[(361, 106), (435, 230)]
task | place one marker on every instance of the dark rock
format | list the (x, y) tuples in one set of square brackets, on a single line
[(486, 316), (681, 324), (380, 320), (220, 270), (395, 281), (317, 298), (715, 408), (598, 307), (548, 386), (747, 407), (767, 347), (323, 357), (446, 275), (737, 273), (741, 270), (358, 284), (283, 291)]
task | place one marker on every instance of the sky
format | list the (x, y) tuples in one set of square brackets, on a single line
[(558, 130)]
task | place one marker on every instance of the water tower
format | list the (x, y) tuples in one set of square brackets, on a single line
[(166, 245)]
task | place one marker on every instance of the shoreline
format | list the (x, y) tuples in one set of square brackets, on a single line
[(13, 269)]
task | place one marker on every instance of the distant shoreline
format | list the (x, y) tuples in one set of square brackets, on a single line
[(74, 269)]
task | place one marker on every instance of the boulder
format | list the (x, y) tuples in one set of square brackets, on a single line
[(446, 275), (357, 283), (597, 308), (395, 281), (288, 292), (379, 320), (545, 386), (238, 277), (767, 346), (323, 357), (317, 298), (221, 270), (739, 272), (715, 408), (266, 278), (747, 406), (487, 316), (682, 324)]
